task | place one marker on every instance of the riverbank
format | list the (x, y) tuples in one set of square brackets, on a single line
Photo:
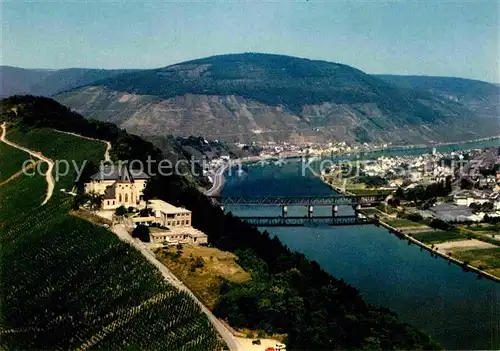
[(334, 187), (436, 251)]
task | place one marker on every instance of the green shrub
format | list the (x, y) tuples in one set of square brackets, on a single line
[(121, 211), (141, 232)]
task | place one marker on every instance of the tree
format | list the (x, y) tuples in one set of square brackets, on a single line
[(439, 224), (96, 201), (141, 232), (198, 262), (415, 217), (79, 200), (487, 207), (466, 184), (88, 171), (400, 193), (475, 207), (448, 185), (120, 211)]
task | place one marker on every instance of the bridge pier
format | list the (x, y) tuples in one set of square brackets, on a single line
[(335, 210), (310, 211), (357, 210), (284, 211)]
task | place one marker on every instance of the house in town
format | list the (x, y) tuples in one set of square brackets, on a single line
[(119, 186), (467, 197)]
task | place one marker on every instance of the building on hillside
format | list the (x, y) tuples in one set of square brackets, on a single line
[(119, 186), (169, 215), (184, 235), (174, 225)]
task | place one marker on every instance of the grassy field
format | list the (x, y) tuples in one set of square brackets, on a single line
[(356, 188), (485, 259), (400, 222), (204, 281), (436, 237), (483, 227), (11, 161), (67, 282), (369, 191), (371, 211), (58, 146)]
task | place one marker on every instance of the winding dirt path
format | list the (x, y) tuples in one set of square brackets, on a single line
[(48, 174), (107, 158)]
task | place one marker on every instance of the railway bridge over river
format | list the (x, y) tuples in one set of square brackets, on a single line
[(356, 201)]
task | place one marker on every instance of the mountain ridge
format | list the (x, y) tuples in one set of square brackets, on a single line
[(46, 82), (265, 97)]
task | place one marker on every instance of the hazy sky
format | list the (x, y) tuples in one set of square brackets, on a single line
[(426, 37)]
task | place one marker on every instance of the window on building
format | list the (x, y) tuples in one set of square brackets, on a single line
[(126, 197), (120, 198)]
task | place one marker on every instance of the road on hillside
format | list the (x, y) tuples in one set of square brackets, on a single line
[(228, 337), (218, 181), (48, 174)]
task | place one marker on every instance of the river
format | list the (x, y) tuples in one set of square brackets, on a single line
[(453, 306)]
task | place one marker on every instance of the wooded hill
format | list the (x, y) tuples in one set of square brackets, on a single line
[(247, 97)]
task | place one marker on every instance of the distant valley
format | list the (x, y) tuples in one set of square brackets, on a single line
[(261, 97)]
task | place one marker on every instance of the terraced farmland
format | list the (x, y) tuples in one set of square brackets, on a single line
[(11, 161), (68, 284)]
